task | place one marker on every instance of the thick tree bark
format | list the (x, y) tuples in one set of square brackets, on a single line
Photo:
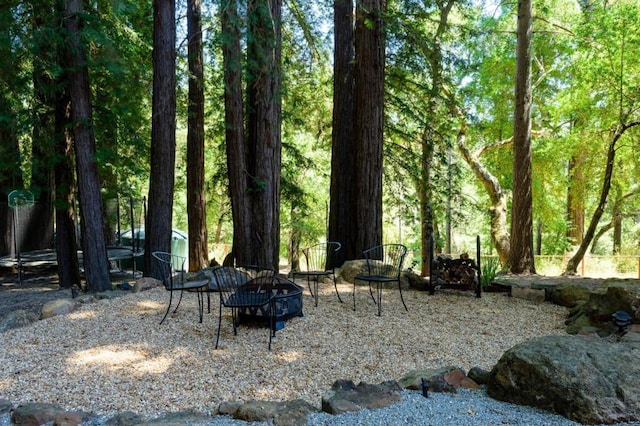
[(342, 206), (264, 122), (369, 96), (521, 255), (234, 131), (65, 243), (163, 135), (10, 172), (93, 244), (196, 203)]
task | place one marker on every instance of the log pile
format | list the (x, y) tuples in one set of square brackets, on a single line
[(454, 273)]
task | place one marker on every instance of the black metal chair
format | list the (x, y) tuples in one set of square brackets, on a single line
[(384, 264), (240, 292), (320, 262), (172, 271)]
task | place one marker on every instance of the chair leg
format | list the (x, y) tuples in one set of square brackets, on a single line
[(335, 285), (402, 298), (315, 285), (371, 292), (201, 304), (379, 289), (234, 318), (219, 325), (179, 300), (354, 295), (272, 326), (168, 307)]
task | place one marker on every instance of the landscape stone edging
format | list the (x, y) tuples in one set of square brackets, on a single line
[(344, 396)]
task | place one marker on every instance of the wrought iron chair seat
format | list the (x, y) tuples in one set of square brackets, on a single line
[(172, 272), (383, 265), (320, 260)]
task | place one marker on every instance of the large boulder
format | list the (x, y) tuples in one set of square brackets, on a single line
[(595, 313), (569, 294), (586, 379), (59, 307)]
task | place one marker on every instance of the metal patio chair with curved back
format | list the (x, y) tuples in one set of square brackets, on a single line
[(320, 260), (241, 290), (383, 266), (172, 272)]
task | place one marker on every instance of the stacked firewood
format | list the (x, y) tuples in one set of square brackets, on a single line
[(449, 272)]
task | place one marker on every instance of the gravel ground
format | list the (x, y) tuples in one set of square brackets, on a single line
[(113, 356)]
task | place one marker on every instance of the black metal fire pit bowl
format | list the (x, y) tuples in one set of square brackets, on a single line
[(288, 302)]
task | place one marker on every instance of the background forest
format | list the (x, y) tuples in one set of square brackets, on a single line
[(449, 70)]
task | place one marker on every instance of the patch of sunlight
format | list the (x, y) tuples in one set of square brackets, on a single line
[(111, 357), (288, 356), (150, 304), (82, 315)]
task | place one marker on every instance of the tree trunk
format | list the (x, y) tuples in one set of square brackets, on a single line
[(93, 244), (65, 242), (342, 205), (196, 203), (40, 226), (499, 198), (575, 200), (575, 260), (521, 255), (369, 97), (234, 132), (617, 233), (293, 248), (10, 170), (264, 122), (163, 135)]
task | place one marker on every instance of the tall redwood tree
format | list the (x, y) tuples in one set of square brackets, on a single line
[(521, 252), (163, 135), (196, 202), (95, 261)]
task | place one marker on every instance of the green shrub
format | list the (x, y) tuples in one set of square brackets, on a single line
[(489, 268)]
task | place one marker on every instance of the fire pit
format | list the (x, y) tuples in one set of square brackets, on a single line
[(288, 302)]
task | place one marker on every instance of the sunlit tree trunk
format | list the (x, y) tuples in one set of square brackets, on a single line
[(521, 255), (196, 203)]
